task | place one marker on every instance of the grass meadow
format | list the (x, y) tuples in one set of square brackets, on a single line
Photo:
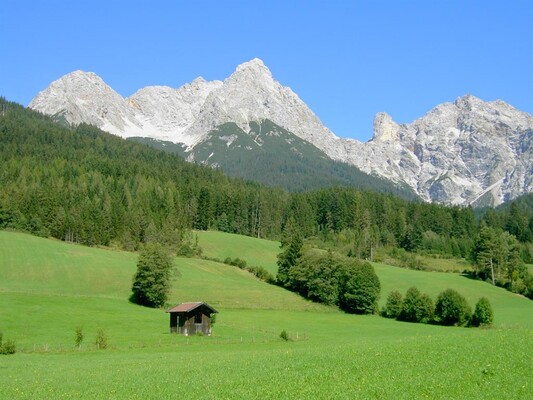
[(261, 253), (48, 288)]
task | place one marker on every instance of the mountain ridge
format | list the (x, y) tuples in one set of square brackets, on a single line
[(273, 156), (462, 152)]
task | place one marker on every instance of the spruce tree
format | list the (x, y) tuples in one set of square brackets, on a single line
[(291, 245), (151, 282)]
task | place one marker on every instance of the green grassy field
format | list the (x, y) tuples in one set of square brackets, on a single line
[(256, 252), (48, 288)]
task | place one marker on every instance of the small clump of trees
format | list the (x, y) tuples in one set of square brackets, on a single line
[(328, 277), (451, 308), (393, 306), (151, 282), (257, 271)]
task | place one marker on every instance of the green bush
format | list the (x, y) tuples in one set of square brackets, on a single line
[(78, 336), (393, 306), (261, 273), (7, 347), (483, 314), (427, 308), (317, 276), (185, 250), (239, 263), (101, 340), (528, 283), (284, 335), (416, 307), (411, 261), (452, 308)]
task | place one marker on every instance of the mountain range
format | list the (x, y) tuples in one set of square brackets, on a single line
[(464, 152)]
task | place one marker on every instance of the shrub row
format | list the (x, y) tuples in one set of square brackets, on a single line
[(257, 271), (451, 308)]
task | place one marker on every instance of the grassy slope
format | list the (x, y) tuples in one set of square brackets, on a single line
[(48, 288), (508, 307), (256, 252), (60, 286)]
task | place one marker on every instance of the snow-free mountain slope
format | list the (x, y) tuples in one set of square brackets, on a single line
[(271, 155), (251, 94), (166, 113), (466, 152), (457, 153), (84, 97)]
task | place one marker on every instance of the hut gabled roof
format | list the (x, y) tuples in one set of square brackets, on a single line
[(188, 307)]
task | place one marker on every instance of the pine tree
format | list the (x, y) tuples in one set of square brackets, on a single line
[(486, 252), (151, 282), (291, 245)]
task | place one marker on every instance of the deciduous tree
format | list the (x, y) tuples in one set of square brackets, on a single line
[(452, 309), (483, 314)]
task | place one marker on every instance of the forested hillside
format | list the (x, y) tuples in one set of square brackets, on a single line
[(273, 156), (87, 186), (91, 187)]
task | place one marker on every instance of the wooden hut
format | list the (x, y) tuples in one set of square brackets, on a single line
[(191, 318)]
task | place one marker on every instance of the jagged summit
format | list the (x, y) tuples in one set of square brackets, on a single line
[(254, 63), (461, 152), (255, 68), (385, 129), (76, 81), (468, 102), (197, 82), (255, 76), (466, 152)]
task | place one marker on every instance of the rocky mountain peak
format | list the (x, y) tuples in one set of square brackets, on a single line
[(256, 65), (83, 97), (385, 129), (198, 81), (457, 153), (73, 84), (469, 102), (253, 72), (79, 75)]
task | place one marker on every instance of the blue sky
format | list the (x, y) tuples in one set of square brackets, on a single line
[(346, 59)]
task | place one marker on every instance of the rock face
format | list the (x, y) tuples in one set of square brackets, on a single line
[(466, 152), (84, 97)]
